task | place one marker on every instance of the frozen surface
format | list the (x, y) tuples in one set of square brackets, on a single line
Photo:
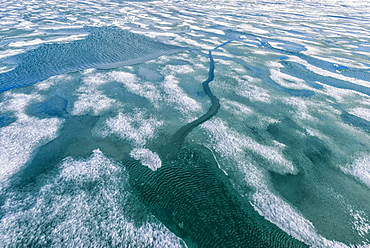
[(104, 47), (87, 203), (102, 141)]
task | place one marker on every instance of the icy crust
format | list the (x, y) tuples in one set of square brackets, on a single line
[(295, 36), (232, 147), (292, 222), (232, 144), (21, 138), (360, 169), (138, 128), (91, 100), (86, 203), (147, 158), (145, 89), (363, 113), (135, 127)]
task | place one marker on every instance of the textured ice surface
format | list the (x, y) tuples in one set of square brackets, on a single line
[(21, 137), (147, 158), (91, 100), (360, 169), (135, 127), (86, 202), (104, 47), (292, 132)]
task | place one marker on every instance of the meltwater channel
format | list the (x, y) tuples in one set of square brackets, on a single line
[(184, 123)]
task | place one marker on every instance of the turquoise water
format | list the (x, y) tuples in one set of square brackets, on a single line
[(184, 124)]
